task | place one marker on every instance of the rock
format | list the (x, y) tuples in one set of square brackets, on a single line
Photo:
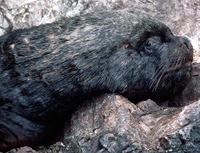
[(114, 125), (23, 150), (99, 126), (185, 134), (58, 147), (32, 12)]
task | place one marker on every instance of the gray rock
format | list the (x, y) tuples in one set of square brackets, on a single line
[(114, 125), (106, 125), (23, 150)]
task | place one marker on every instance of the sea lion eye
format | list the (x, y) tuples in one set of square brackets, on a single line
[(148, 43), (148, 47)]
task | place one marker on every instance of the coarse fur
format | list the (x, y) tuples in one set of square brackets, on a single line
[(46, 71)]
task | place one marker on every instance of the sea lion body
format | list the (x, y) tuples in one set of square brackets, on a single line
[(46, 71)]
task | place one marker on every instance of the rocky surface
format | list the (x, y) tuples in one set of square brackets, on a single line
[(112, 124)]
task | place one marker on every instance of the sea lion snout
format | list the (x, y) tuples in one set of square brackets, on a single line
[(16, 130), (180, 51), (185, 48)]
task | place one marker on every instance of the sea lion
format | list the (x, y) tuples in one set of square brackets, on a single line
[(46, 71)]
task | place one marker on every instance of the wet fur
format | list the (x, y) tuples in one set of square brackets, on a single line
[(46, 71)]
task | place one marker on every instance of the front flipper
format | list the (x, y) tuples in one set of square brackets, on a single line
[(15, 131)]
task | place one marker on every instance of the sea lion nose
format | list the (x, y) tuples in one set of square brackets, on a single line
[(187, 43), (186, 46)]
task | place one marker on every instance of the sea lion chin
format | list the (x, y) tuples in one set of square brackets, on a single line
[(46, 71)]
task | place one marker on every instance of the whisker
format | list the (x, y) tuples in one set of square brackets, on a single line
[(160, 78), (153, 78), (175, 63), (159, 72), (159, 75), (158, 82), (172, 67)]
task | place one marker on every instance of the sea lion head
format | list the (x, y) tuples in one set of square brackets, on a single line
[(165, 62), (155, 63), (148, 60), (172, 66)]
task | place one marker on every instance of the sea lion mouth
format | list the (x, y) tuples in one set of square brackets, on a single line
[(180, 68)]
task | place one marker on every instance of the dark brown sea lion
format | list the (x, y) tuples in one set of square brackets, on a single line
[(46, 71)]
